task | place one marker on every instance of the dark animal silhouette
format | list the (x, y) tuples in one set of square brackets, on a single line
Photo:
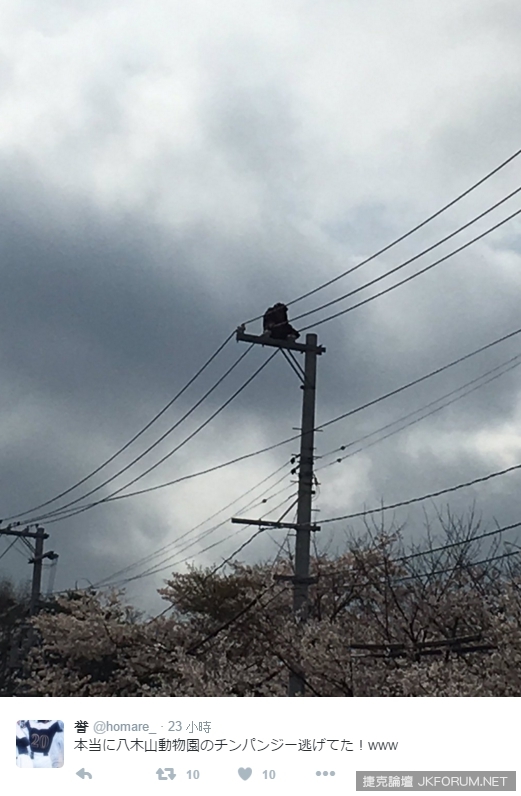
[(276, 325)]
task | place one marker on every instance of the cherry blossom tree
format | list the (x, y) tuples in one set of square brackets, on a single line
[(442, 620)]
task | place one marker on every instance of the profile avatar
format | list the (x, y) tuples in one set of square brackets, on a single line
[(39, 743)]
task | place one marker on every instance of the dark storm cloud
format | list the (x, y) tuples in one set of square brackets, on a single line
[(99, 330), (131, 247)]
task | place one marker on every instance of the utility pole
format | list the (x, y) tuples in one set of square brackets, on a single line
[(37, 562), (39, 536), (303, 527), (305, 479), (25, 637)]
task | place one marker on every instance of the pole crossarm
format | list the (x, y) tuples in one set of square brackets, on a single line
[(459, 645), (25, 532), (309, 581), (290, 344), (273, 524)]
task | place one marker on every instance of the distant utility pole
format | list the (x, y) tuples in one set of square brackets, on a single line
[(303, 527), (39, 536)]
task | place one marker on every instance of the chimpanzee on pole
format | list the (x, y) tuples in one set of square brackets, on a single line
[(276, 325)]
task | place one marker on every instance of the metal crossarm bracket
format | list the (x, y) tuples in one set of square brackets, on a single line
[(274, 524), (270, 341), (309, 581), (23, 533)]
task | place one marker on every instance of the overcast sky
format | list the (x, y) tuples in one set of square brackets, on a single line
[(169, 170)]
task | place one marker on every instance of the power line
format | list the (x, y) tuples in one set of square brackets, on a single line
[(236, 617), (268, 448), (449, 546), (61, 510), (402, 237), (435, 264), (241, 613), (162, 566), (360, 439), (20, 552), (431, 403), (412, 422), (358, 409), (176, 541), (254, 536), (411, 259), (293, 365), (430, 551), (516, 364), (416, 576), (248, 607), (275, 494), (254, 602), (134, 438), (424, 497), (460, 566), (410, 556), (168, 455), (413, 276), (9, 547), (196, 540), (422, 378), (202, 472), (154, 445)]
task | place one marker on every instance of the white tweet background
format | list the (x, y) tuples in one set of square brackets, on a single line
[(445, 734)]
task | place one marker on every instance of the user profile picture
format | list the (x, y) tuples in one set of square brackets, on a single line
[(39, 743)]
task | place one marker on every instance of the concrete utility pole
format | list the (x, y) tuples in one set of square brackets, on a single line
[(303, 526), (37, 562), (25, 638), (39, 536), (305, 479)]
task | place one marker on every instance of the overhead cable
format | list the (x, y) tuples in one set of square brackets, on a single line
[(9, 546), (424, 553), (162, 566), (181, 444), (402, 237), (420, 379), (413, 276), (517, 362), (324, 425), (413, 259), (424, 497), (260, 530), (134, 438), (61, 509), (202, 472), (175, 542), (199, 538), (249, 606)]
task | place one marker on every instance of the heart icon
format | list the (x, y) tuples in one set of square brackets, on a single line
[(245, 773)]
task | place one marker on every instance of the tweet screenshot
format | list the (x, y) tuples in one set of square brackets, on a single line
[(258, 746), (260, 397)]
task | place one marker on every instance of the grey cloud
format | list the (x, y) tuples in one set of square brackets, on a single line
[(109, 306)]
